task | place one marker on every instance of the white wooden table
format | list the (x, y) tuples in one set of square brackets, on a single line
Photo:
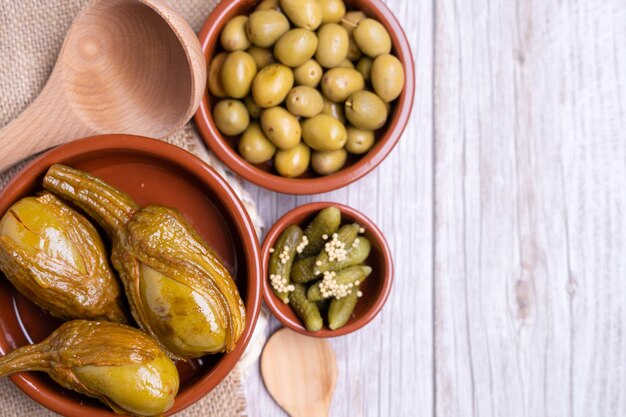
[(504, 206)]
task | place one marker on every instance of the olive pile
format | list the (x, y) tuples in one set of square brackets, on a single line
[(304, 82)]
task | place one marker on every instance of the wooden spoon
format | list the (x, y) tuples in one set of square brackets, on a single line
[(300, 372), (126, 66)]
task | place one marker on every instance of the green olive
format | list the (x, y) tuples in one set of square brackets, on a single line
[(359, 141), (328, 162), (271, 85), (351, 20), (387, 77), (324, 133), (293, 162), (231, 117), (233, 37), (332, 10), (215, 75), (346, 63), (253, 108), (364, 66), (372, 38), (309, 74), (262, 56), (305, 14), (267, 5), (335, 110), (266, 26), (281, 127), (339, 83), (295, 47), (354, 52), (305, 101), (237, 74), (254, 146), (366, 110), (332, 46)]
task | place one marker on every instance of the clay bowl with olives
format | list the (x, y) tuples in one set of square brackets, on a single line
[(373, 291), (150, 172), (304, 96)]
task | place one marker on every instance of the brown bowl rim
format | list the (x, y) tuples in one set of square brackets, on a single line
[(272, 300), (207, 176), (302, 186)]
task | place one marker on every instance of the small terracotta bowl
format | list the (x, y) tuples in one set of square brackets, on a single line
[(375, 289), (356, 167), (152, 172)]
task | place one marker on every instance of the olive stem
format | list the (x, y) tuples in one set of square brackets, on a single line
[(111, 208), (27, 358)]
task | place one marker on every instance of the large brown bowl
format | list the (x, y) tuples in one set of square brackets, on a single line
[(152, 172), (375, 288), (264, 175)]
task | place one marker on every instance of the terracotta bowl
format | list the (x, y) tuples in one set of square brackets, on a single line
[(375, 289), (151, 172), (264, 175)]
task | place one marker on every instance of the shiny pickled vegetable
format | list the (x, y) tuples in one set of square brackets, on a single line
[(215, 75), (233, 36), (372, 38), (387, 77), (345, 280), (268, 5), (335, 110), (271, 85), (332, 10), (359, 141), (178, 290), (324, 133), (351, 20), (266, 26), (339, 83), (55, 257), (364, 66), (305, 101), (237, 74), (293, 162), (303, 270), (295, 47), (281, 261), (334, 252), (309, 74), (254, 146), (356, 254), (328, 162), (306, 14), (340, 310), (366, 110), (332, 46), (326, 222), (305, 309), (281, 127), (120, 366), (262, 56), (231, 117), (253, 108)]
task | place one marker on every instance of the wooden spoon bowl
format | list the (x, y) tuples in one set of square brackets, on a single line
[(126, 66)]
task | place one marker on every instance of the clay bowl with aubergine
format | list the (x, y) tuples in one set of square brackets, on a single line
[(356, 166), (151, 172)]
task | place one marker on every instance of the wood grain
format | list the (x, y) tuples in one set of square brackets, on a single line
[(126, 66), (530, 178), (386, 369)]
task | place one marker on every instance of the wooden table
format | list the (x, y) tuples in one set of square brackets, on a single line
[(504, 206)]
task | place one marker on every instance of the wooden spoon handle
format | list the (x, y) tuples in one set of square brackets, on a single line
[(47, 122)]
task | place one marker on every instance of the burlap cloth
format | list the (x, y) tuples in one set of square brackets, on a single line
[(31, 34)]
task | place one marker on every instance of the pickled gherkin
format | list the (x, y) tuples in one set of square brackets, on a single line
[(120, 366), (326, 223), (335, 249), (281, 261), (357, 253), (55, 257), (341, 310), (303, 270), (178, 290), (305, 309), (344, 280)]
